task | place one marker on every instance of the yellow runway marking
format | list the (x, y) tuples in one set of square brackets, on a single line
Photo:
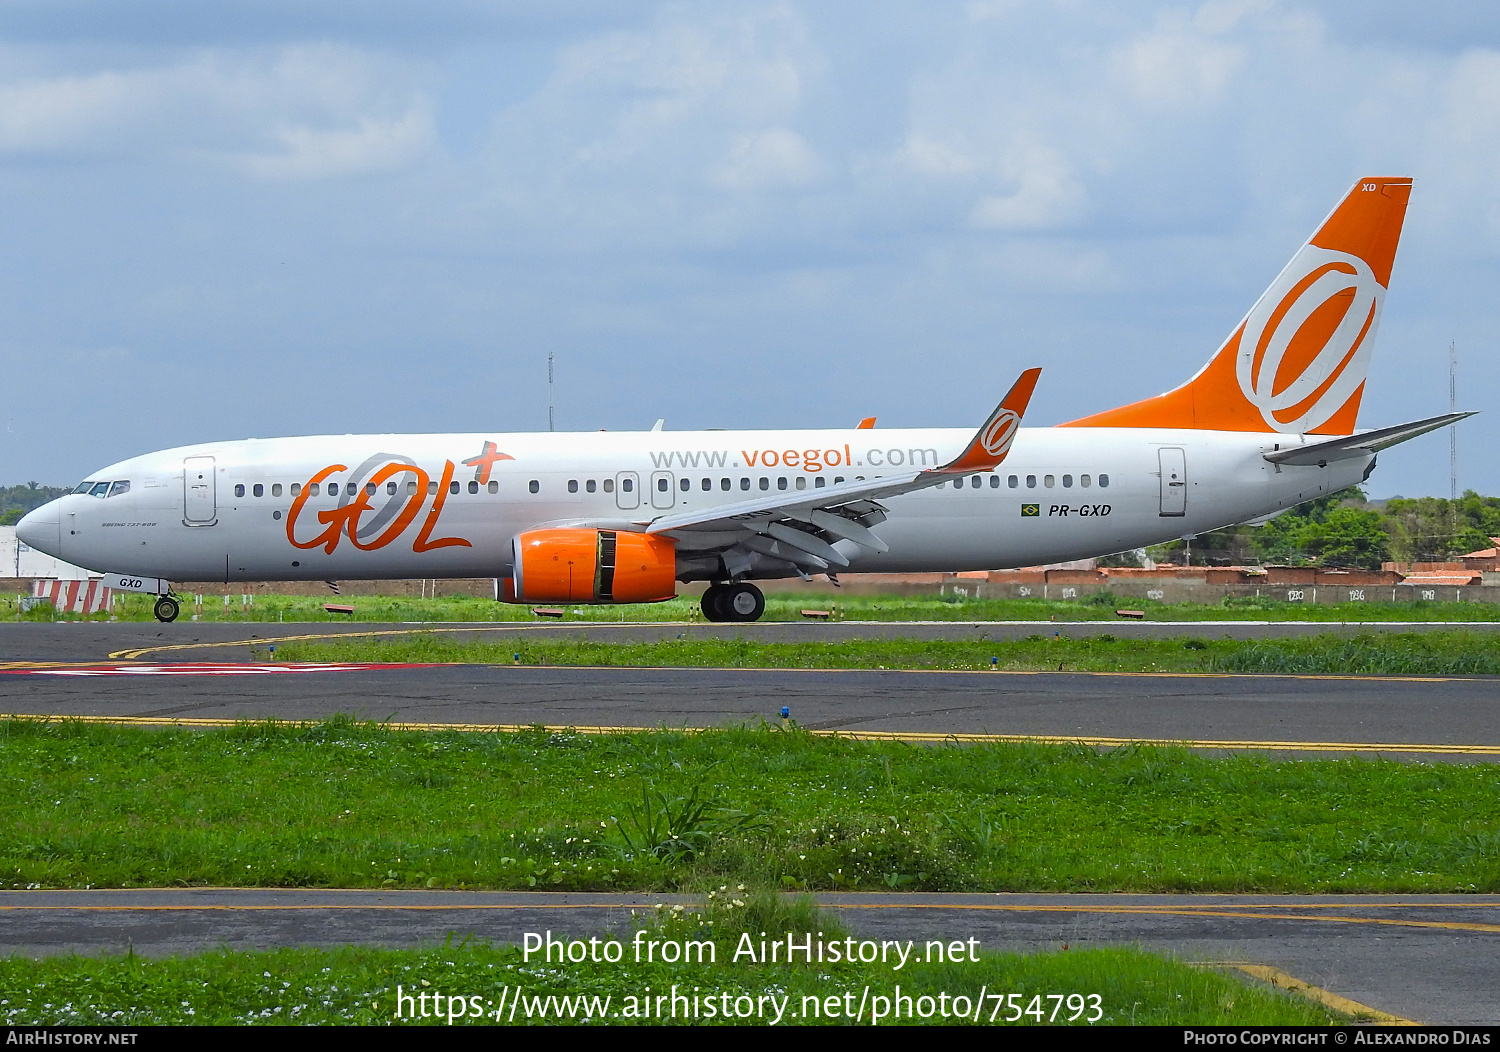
[(911, 737), (1276, 977)]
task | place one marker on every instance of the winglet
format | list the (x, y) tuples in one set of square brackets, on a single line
[(992, 442)]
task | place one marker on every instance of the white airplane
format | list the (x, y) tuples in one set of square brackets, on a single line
[(1267, 424)]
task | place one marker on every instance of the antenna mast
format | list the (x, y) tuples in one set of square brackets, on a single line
[(550, 426), (1452, 428)]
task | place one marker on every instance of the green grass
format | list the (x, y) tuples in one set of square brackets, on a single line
[(474, 983), (1405, 654), (347, 805), (1099, 607)]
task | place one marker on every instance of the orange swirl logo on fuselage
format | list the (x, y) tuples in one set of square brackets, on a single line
[(1303, 350)]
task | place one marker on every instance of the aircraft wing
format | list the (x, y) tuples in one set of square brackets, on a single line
[(802, 527), (1363, 444)]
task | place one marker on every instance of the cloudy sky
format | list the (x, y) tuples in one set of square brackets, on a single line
[(275, 217)]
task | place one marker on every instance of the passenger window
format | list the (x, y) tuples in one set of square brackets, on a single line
[(661, 485), (572, 485), (369, 489), (411, 485), (534, 486), (117, 488), (627, 485), (591, 485), (390, 489), (493, 487), (239, 488), (101, 489), (351, 489), (724, 485), (1012, 482), (259, 490), (431, 488), (474, 486), (995, 481), (1067, 482), (1083, 480), (1031, 482), (745, 483), (1103, 481), (819, 482), (837, 479), (765, 483), (801, 481), (453, 487), (685, 484), (1049, 481), (708, 484), (940, 485), (781, 482), (975, 482), (275, 489), (609, 485)]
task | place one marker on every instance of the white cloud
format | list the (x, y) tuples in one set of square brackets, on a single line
[(1047, 193), (297, 112), (767, 159)]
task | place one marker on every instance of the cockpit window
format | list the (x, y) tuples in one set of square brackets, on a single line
[(100, 489), (84, 487), (117, 488)]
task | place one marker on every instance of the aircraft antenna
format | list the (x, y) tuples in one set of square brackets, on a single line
[(550, 423)]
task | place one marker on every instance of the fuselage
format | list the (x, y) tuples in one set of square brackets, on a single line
[(432, 506)]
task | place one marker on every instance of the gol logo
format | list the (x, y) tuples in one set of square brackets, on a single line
[(1277, 338), (999, 432)]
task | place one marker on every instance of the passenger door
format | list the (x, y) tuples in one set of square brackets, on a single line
[(199, 503), (1173, 464)]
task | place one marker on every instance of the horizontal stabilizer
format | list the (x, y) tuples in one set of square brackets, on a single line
[(1360, 445)]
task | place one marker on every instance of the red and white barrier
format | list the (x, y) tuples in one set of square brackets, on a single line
[(73, 597)]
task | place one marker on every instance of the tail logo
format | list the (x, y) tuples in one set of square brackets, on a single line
[(1000, 432), (1302, 350)]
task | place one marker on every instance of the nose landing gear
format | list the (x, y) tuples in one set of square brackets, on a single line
[(736, 601), (166, 608)]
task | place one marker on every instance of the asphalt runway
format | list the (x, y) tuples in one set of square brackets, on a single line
[(65, 672), (1424, 958)]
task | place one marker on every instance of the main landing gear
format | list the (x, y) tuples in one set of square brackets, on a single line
[(166, 608), (736, 601)]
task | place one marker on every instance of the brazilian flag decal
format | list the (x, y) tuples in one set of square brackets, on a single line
[(1030, 511)]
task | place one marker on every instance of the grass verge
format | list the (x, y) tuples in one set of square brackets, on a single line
[(341, 804), (483, 984), (1455, 653), (1098, 607)]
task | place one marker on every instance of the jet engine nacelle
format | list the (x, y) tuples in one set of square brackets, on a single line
[(591, 566)]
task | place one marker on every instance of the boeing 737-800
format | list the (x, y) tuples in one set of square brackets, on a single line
[(1268, 423)]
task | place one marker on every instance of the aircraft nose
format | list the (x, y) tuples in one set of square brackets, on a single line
[(39, 529)]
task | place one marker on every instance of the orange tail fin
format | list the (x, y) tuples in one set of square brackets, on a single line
[(1296, 364)]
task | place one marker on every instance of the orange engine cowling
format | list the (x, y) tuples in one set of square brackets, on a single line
[(592, 566)]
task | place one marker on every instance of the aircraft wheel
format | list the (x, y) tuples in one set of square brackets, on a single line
[(742, 601), (165, 609), (713, 603)]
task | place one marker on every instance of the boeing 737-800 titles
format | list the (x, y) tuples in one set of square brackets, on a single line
[(1268, 423)]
